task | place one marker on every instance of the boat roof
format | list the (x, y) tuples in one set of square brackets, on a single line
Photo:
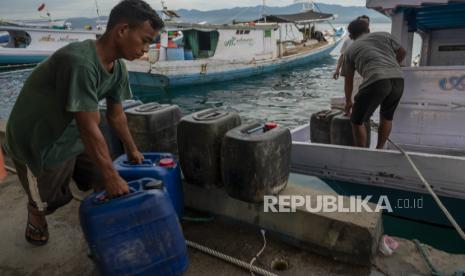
[(301, 17), (42, 30), (425, 14), (210, 27), (383, 5)]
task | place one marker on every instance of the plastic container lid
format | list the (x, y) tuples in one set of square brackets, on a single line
[(167, 162), (270, 125)]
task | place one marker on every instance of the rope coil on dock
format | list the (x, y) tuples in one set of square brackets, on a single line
[(229, 259), (434, 271), (255, 258)]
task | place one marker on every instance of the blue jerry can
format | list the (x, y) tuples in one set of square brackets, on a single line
[(156, 165), (136, 234)]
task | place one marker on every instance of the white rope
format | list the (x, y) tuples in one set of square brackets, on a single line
[(430, 190), (262, 231), (229, 259)]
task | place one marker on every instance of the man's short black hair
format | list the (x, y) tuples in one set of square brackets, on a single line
[(366, 17), (134, 12), (357, 28)]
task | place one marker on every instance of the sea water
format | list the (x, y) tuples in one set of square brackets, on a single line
[(286, 97)]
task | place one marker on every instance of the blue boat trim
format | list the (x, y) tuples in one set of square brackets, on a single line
[(21, 59)]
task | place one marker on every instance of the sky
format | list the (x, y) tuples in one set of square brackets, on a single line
[(27, 9)]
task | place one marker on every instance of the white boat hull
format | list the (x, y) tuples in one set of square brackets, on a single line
[(42, 44), (179, 73), (383, 168)]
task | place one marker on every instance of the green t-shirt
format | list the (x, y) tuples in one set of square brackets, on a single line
[(41, 131), (374, 57)]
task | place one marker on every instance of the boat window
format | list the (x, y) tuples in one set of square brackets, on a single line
[(202, 44), (19, 39), (4, 37), (451, 48), (242, 32), (416, 49), (446, 47)]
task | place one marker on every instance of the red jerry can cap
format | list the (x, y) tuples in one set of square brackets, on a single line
[(271, 125), (167, 162)]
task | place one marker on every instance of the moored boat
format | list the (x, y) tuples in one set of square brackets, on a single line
[(211, 53), (428, 123), (32, 45)]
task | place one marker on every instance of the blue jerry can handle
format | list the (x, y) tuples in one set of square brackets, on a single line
[(145, 163), (102, 197)]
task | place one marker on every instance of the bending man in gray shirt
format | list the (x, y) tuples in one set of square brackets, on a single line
[(376, 57)]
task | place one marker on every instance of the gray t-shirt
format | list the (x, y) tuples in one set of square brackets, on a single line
[(345, 45), (373, 56)]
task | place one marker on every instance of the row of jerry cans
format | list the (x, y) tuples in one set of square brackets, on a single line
[(215, 150), (249, 160), (139, 233), (333, 127)]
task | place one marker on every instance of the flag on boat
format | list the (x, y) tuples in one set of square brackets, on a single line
[(41, 7)]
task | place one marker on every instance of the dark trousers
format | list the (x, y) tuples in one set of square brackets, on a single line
[(50, 190)]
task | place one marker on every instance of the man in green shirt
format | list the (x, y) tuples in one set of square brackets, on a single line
[(53, 131), (376, 57)]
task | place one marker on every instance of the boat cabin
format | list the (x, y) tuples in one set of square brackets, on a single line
[(269, 37), (298, 27)]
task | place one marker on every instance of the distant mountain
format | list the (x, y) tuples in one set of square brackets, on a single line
[(344, 14), (80, 22)]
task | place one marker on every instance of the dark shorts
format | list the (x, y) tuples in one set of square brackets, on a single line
[(50, 190), (386, 93)]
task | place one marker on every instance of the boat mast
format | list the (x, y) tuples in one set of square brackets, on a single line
[(263, 10), (307, 5), (98, 13), (165, 8)]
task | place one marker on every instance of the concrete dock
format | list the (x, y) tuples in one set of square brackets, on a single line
[(348, 237), (66, 252), (299, 243)]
